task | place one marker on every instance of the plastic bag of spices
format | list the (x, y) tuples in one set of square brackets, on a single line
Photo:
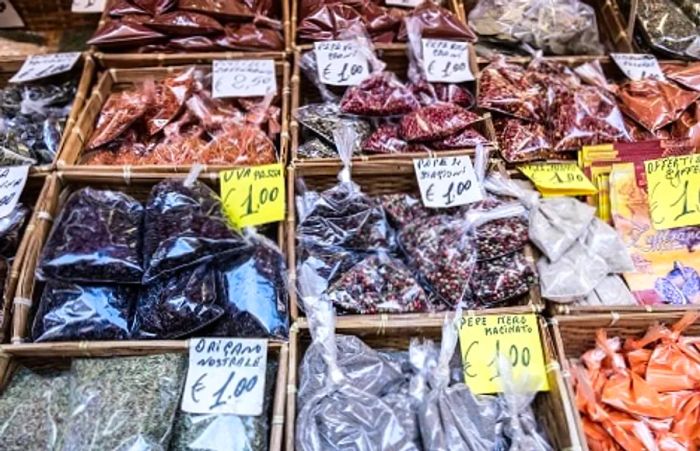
[(437, 23), (167, 99), (231, 10), (118, 113), (666, 29), (33, 408), (520, 140), (251, 36), (434, 122), (501, 279), (124, 402), (71, 312), (185, 23), (185, 225), (11, 227), (122, 32), (96, 238), (686, 75), (506, 88), (327, 21)]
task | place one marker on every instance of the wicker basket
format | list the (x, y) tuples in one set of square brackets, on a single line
[(85, 71), (552, 409), (19, 354), (29, 289), (32, 197), (115, 80), (574, 335), (454, 6), (128, 60), (304, 92), (374, 180)]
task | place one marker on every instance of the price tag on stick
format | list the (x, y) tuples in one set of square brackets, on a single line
[(482, 338), (638, 66), (446, 61), (226, 375), (253, 195), (36, 67), (447, 181), (340, 63), (243, 78), (12, 181), (673, 186), (88, 6)]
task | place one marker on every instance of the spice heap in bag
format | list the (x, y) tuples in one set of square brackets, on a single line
[(176, 121), (148, 26), (390, 117), (112, 403), (561, 27), (641, 393), (397, 399), (117, 270), (669, 27), (323, 20), (32, 119)]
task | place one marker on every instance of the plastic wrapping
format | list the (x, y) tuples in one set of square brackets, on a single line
[(506, 88), (386, 140), (327, 21), (96, 238), (501, 279), (251, 36), (521, 141), (686, 75), (561, 27), (667, 29), (253, 292), (467, 138), (612, 290), (70, 312), (654, 103), (185, 225), (185, 23), (434, 122), (382, 94), (691, 9), (117, 33), (99, 413), (118, 113), (574, 275), (11, 227), (32, 409), (437, 23), (315, 148), (226, 10), (323, 118)]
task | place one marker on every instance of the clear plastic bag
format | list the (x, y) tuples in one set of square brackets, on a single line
[(520, 140), (70, 312), (124, 402), (178, 305), (506, 88), (11, 227), (665, 28), (323, 118), (572, 276), (253, 292), (501, 279), (33, 407), (686, 75), (96, 238), (561, 27), (185, 225), (612, 290), (437, 23), (118, 113), (654, 103), (434, 122)]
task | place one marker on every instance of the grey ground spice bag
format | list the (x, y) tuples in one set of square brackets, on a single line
[(124, 403), (32, 410)]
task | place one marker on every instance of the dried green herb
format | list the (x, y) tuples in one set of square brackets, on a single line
[(124, 403), (226, 432), (32, 410)]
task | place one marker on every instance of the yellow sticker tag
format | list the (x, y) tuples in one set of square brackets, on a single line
[(516, 337), (673, 185), (558, 178), (253, 195)]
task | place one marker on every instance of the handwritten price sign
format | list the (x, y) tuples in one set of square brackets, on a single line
[(42, 66), (674, 191), (225, 375), (243, 78), (638, 66), (483, 338), (447, 182), (446, 61), (253, 195), (88, 6), (558, 179), (340, 63)]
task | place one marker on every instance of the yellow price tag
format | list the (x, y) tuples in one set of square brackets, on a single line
[(674, 191), (516, 337), (558, 179), (253, 195)]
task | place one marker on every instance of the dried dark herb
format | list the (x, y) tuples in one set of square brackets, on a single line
[(231, 432), (667, 29), (124, 402), (96, 238), (33, 409), (184, 226), (315, 148), (178, 305), (11, 227), (70, 312), (323, 118)]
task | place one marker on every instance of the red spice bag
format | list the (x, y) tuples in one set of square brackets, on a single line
[(116, 33), (654, 103), (506, 88), (167, 99), (435, 122), (686, 75), (438, 23), (520, 140), (327, 21), (118, 113)]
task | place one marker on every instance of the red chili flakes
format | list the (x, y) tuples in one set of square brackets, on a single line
[(520, 140), (465, 139), (505, 88), (382, 94), (434, 122)]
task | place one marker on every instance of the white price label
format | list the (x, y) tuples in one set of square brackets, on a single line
[(243, 78), (226, 375), (447, 181), (9, 18), (42, 66), (446, 61), (12, 181), (638, 66), (88, 6), (404, 3), (340, 63)]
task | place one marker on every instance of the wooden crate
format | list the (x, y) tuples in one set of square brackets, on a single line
[(115, 80), (553, 409), (374, 179), (29, 288)]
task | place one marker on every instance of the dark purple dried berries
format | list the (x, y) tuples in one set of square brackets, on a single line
[(97, 238), (498, 280)]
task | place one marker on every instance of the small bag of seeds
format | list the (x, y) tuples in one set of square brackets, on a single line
[(185, 225), (71, 312), (501, 279), (96, 239), (33, 410), (122, 403)]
